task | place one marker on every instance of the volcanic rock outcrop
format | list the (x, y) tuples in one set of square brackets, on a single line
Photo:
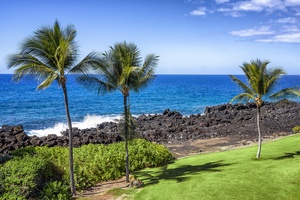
[(237, 120)]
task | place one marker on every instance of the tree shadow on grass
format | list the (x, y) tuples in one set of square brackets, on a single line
[(179, 174), (287, 155)]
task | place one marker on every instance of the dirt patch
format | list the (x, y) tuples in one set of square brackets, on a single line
[(198, 146), (99, 191), (186, 148)]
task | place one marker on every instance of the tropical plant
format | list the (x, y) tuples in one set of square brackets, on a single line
[(260, 84), (21, 177), (49, 55), (121, 69), (42, 172)]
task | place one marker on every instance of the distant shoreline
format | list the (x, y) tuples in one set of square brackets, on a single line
[(233, 121), (43, 111)]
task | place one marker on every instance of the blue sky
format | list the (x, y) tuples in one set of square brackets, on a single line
[(190, 36)]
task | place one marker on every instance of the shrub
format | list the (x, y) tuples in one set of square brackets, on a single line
[(58, 157), (95, 163), (36, 171), (4, 158), (296, 129), (55, 190), (22, 178), (146, 154), (30, 150)]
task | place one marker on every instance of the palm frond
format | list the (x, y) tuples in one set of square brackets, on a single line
[(29, 66), (243, 97), (88, 65), (145, 80), (150, 63), (130, 122), (145, 74), (126, 76), (243, 86), (48, 81), (286, 93), (93, 83), (272, 78), (111, 66)]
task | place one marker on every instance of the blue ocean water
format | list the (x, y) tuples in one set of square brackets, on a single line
[(42, 112)]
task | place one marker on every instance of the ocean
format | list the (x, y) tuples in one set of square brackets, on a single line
[(42, 112)]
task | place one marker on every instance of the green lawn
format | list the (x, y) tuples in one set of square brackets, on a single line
[(234, 174)]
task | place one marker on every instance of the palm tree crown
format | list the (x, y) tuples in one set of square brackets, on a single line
[(121, 68), (49, 55), (261, 81)]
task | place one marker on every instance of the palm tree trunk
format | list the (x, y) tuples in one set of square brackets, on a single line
[(259, 133), (72, 180), (126, 137)]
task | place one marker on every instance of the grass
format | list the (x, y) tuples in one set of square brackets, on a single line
[(234, 174), (117, 192)]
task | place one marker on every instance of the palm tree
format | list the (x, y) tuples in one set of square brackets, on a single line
[(261, 82), (48, 56), (122, 69)]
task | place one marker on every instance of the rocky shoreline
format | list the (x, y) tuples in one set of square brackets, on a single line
[(170, 127)]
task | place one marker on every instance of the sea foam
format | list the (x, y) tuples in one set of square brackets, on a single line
[(89, 121)]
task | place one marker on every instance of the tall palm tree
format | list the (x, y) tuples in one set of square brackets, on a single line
[(122, 69), (48, 56), (260, 83)]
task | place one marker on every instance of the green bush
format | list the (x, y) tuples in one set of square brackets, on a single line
[(146, 154), (4, 158), (22, 178), (296, 129), (59, 157), (96, 163), (36, 171), (30, 150), (55, 190)]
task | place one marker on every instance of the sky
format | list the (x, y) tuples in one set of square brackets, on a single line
[(189, 36)]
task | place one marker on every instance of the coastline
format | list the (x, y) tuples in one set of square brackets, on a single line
[(228, 125), (187, 94)]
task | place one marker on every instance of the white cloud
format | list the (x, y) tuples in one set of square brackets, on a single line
[(235, 14), (281, 24), (224, 10), (258, 5), (199, 12), (292, 2), (253, 32), (292, 28), (293, 37), (194, 1), (289, 38), (227, 6), (247, 6), (240, 7), (291, 20), (221, 1)]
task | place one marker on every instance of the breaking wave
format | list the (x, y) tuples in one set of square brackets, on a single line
[(89, 121)]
